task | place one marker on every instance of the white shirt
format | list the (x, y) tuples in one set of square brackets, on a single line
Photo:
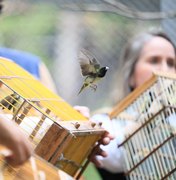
[(114, 162)]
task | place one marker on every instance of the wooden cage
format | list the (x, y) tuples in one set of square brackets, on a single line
[(150, 149), (59, 133)]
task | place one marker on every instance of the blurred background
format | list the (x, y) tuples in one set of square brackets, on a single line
[(55, 30)]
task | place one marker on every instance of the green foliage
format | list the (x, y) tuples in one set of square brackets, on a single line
[(91, 173), (30, 30)]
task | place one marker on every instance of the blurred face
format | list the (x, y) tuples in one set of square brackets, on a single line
[(157, 55)]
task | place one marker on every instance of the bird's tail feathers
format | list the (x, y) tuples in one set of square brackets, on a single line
[(82, 88)]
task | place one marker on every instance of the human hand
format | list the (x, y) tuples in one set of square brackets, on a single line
[(105, 140), (13, 138), (83, 110)]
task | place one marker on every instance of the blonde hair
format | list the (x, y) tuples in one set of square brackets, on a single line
[(128, 60)]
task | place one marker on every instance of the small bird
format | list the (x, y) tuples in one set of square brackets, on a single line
[(10, 102), (91, 69)]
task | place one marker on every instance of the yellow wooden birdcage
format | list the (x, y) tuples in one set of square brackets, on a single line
[(59, 133), (150, 147)]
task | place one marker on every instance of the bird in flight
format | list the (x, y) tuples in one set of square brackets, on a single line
[(91, 69)]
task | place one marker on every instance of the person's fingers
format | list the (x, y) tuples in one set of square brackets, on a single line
[(13, 160), (107, 134), (15, 141), (106, 141), (83, 110), (20, 154), (101, 152), (107, 137), (96, 162), (21, 149)]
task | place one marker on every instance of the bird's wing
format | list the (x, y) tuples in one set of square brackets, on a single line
[(88, 63)]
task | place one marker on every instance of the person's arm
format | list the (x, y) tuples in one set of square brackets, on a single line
[(14, 139), (106, 139), (113, 160), (45, 78)]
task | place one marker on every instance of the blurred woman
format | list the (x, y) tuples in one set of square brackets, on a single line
[(144, 54)]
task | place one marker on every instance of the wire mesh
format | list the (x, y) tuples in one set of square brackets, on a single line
[(56, 130), (149, 149), (56, 30)]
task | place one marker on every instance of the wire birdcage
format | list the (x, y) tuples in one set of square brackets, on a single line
[(150, 148), (60, 134)]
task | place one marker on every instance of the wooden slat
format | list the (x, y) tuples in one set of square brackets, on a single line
[(33, 169), (50, 142), (131, 97)]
